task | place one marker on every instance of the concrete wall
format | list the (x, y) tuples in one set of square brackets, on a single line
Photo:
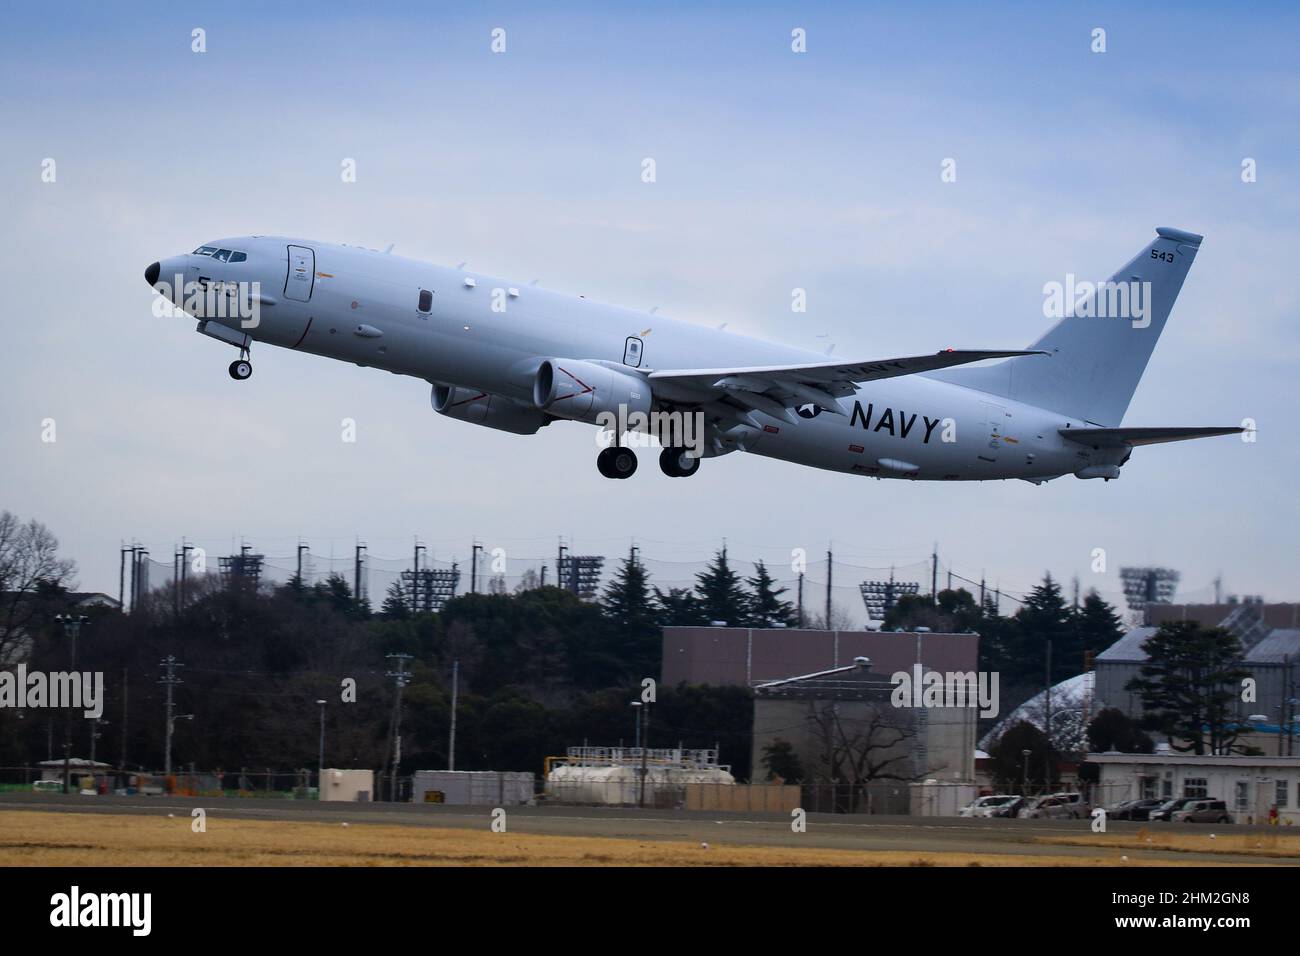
[(349, 786), (485, 788)]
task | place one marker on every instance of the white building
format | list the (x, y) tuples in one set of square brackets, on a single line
[(1251, 786)]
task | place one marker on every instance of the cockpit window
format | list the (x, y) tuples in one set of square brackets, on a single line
[(221, 255)]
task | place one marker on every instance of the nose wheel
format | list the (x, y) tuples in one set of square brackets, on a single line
[(677, 463), (616, 462), (240, 369)]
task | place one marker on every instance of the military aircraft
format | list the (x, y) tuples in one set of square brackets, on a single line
[(517, 357)]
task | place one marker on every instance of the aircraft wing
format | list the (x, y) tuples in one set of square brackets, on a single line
[(1116, 437), (774, 389)]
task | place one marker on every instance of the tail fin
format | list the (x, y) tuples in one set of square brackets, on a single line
[(1100, 349)]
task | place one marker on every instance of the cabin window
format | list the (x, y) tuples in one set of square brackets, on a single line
[(426, 301)]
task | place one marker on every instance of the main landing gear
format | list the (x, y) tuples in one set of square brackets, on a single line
[(678, 463), (241, 368), (616, 462), (619, 462)]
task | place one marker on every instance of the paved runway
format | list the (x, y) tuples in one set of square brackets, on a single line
[(831, 831)]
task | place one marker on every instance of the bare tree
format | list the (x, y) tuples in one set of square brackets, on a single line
[(29, 564), (860, 744)]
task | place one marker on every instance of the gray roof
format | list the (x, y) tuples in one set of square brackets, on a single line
[(1128, 647), (1280, 643)]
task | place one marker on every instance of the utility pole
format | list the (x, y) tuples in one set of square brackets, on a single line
[(401, 677), (1047, 721), (302, 546), (934, 574), (801, 599), (645, 749), (475, 548), (320, 765), (121, 577), (169, 680), (356, 574), (71, 626), (451, 736), (559, 565), (830, 564), (125, 690), (185, 560)]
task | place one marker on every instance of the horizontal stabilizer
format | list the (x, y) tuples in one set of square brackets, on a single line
[(1117, 437)]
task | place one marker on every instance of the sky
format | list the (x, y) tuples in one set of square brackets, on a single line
[(775, 170)]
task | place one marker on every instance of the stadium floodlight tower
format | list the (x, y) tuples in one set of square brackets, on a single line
[(1143, 586), (881, 596)]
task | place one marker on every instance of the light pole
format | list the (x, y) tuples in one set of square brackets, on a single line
[(320, 766), (639, 752), (71, 627), (1024, 780)]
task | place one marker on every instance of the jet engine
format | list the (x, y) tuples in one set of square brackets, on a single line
[(484, 408), (570, 388)]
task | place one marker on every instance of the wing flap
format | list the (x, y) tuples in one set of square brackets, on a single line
[(1117, 437), (796, 384)]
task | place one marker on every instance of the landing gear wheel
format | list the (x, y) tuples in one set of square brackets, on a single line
[(616, 462), (676, 463), (240, 369)]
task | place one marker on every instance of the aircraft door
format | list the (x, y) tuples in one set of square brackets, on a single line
[(301, 275), (632, 351)]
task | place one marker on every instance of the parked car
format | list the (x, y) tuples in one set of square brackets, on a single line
[(1202, 811), (1056, 806), (1132, 809), (984, 806), (1009, 809), (1162, 813)]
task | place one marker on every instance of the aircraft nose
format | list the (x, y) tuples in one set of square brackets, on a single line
[(151, 273)]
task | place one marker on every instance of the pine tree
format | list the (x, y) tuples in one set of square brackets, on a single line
[(395, 604), (721, 596), (1098, 624), (679, 607), (1190, 685), (628, 607), (765, 605)]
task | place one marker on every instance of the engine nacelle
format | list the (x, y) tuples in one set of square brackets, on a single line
[(484, 408), (570, 388)]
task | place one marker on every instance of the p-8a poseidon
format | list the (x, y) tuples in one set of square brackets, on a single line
[(516, 357)]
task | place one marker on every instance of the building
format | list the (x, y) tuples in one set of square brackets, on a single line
[(1270, 636), (1250, 786), (843, 727)]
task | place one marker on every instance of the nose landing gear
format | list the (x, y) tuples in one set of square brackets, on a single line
[(616, 462), (241, 368)]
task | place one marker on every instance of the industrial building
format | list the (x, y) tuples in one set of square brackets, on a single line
[(869, 755), (1250, 786)]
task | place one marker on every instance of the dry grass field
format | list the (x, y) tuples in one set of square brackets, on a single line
[(34, 838)]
